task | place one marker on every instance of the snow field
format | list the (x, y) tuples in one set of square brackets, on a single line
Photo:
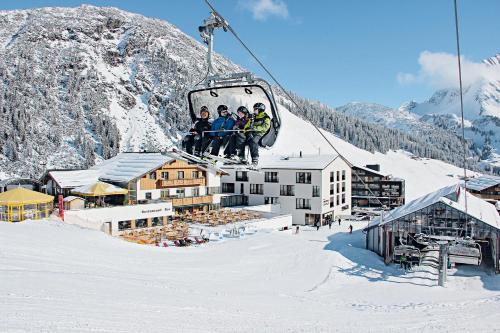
[(62, 278)]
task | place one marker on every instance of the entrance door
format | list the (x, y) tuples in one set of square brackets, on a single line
[(107, 228)]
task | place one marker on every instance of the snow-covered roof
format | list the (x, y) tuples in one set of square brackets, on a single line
[(125, 167), (74, 178), (71, 198), (306, 162), (476, 207), (482, 182), (371, 170)]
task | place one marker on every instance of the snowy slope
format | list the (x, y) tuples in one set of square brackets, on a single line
[(383, 115), (421, 175), (61, 278)]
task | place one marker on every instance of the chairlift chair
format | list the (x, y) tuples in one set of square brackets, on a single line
[(231, 89)]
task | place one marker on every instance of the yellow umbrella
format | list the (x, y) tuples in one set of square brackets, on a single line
[(99, 189)]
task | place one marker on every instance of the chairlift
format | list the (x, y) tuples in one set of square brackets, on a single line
[(231, 89)]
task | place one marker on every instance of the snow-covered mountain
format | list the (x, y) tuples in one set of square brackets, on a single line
[(481, 110), (80, 84), (379, 114)]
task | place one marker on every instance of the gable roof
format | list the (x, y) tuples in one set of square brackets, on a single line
[(482, 182), (476, 207), (125, 167), (68, 179)]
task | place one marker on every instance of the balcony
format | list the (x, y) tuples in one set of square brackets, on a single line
[(206, 199), (181, 182)]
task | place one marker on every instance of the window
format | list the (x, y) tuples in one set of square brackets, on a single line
[(213, 190), (181, 193), (343, 198), (271, 200), (195, 174), (165, 193), (343, 174), (180, 174), (156, 221), (332, 188), (196, 192), (332, 199), (123, 225), (315, 191), (152, 175), (271, 177), (242, 176), (164, 175), (338, 200), (338, 187), (303, 177), (242, 188), (141, 223), (302, 203), (227, 187), (256, 189), (332, 177), (338, 175), (343, 186), (148, 195), (287, 190)]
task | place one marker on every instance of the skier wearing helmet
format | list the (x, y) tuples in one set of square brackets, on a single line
[(237, 138), (197, 137), (254, 130), (219, 133)]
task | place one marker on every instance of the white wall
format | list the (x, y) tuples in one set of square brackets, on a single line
[(95, 218), (319, 205)]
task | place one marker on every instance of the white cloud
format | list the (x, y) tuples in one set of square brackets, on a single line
[(262, 9), (440, 70)]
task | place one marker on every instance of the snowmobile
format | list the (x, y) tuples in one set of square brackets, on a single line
[(231, 89)]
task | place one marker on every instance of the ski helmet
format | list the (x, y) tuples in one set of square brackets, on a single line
[(204, 108), (243, 109), (260, 107), (221, 108)]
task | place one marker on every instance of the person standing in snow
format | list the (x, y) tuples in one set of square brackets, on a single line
[(219, 133), (330, 223), (254, 130), (297, 230), (403, 260), (350, 228), (339, 221)]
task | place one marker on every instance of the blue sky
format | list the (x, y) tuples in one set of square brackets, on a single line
[(339, 51)]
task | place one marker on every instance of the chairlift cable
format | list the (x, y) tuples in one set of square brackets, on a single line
[(230, 29), (461, 110)]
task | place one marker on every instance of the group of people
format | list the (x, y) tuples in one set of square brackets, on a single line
[(234, 133)]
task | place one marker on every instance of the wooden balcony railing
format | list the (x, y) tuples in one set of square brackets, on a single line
[(205, 199), (181, 182)]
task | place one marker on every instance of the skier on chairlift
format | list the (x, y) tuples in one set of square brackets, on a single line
[(236, 139), (219, 134), (198, 136), (255, 129)]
